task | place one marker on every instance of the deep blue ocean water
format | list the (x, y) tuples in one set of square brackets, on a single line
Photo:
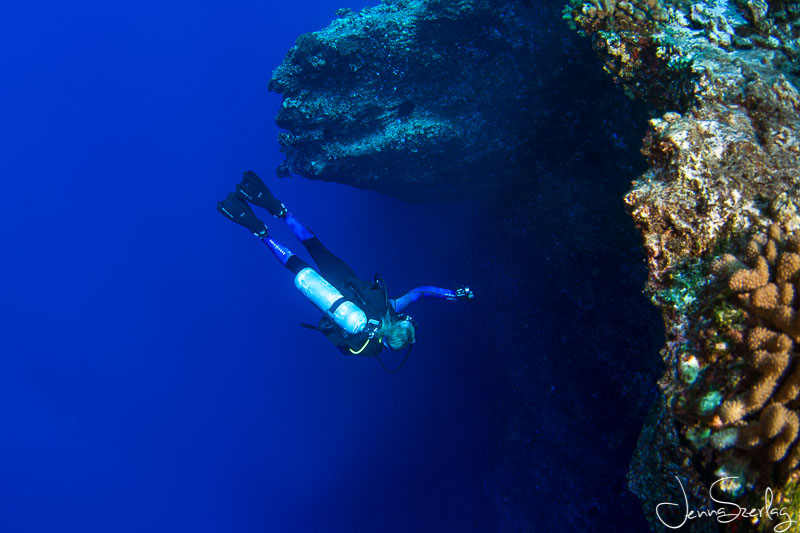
[(153, 373)]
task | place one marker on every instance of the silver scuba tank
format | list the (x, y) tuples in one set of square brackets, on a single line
[(322, 294)]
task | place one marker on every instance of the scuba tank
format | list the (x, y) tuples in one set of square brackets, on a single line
[(330, 301)]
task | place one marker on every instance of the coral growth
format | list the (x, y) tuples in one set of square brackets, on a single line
[(652, 47), (613, 14), (724, 159), (749, 365)]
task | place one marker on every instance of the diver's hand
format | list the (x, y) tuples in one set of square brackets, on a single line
[(464, 293)]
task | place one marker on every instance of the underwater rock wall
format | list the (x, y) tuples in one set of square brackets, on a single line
[(717, 210), (398, 97), (557, 267)]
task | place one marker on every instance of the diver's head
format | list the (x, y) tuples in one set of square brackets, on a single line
[(397, 332)]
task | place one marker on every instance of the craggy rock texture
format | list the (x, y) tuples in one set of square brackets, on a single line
[(398, 97), (716, 210)]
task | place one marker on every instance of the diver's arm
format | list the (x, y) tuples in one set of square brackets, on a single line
[(428, 291)]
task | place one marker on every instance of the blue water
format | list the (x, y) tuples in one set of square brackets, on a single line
[(153, 374)]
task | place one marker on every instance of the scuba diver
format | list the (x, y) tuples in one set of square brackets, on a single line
[(359, 318)]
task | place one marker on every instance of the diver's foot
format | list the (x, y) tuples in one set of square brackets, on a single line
[(254, 191), (237, 210)]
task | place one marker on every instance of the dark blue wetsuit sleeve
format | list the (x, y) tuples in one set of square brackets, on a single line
[(427, 291)]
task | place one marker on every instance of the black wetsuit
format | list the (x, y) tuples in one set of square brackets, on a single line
[(370, 297)]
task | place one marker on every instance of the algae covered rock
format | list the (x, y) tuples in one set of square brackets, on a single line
[(717, 210)]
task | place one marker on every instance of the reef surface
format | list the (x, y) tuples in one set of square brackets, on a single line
[(717, 210)]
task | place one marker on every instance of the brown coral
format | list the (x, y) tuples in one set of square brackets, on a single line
[(771, 296), (750, 278), (790, 388), (592, 14), (776, 425), (760, 412), (786, 294), (769, 357), (725, 265), (788, 267), (765, 297)]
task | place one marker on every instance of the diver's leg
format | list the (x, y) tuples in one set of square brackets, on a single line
[(285, 256), (299, 229), (253, 189), (332, 268)]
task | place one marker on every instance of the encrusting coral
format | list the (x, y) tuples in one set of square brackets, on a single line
[(623, 13), (723, 163)]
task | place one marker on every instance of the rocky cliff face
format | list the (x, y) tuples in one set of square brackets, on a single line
[(718, 212), (413, 97), (391, 97)]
